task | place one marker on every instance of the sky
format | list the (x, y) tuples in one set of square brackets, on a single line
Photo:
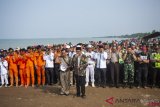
[(77, 18)]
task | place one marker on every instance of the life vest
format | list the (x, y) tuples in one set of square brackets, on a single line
[(157, 57), (121, 61)]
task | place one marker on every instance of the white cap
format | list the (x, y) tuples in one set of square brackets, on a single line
[(17, 49), (78, 46), (89, 46), (67, 46)]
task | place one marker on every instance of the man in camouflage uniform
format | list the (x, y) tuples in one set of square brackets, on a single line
[(129, 58)]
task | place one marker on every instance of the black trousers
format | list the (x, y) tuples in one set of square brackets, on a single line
[(115, 73), (80, 85), (49, 76), (101, 76), (142, 75), (156, 76), (56, 72)]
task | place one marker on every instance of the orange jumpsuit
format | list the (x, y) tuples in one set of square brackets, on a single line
[(40, 63), (13, 70), (30, 61), (22, 69)]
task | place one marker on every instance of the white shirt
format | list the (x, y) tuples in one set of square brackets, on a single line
[(2, 68), (90, 56), (49, 60), (63, 65), (101, 59), (71, 54)]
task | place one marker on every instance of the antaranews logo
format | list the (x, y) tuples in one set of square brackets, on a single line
[(113, 100), (146, 102)]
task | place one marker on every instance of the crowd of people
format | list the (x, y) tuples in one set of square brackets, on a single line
[(126, 63)]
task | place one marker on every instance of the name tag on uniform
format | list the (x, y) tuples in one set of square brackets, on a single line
[(143, 57)]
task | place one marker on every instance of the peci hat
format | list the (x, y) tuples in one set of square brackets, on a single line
[(100, 46), (78, 47)]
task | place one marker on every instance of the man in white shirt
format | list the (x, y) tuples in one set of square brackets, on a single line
[(4, 71), (101, 57), (91, 65), (49, 57)]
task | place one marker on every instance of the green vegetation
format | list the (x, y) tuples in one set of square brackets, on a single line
[(135, 35)]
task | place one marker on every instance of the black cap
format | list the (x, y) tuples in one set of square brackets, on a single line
[(22, 50), (39, 47), (29, 47), (63, 49), (10, 50)]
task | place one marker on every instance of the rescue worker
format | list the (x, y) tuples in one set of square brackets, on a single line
[(12, 60), (30, 63), (40, 66), (22, 67), (57, 54)]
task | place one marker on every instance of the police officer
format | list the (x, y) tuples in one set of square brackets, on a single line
[(129, 58), (115, 55)]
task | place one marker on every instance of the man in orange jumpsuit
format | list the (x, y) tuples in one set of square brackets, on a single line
[(30, 63), (40, 69), (57, 54), (13, 71), (22, 67)]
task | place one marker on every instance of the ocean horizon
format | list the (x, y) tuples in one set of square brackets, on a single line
[(23, 43)]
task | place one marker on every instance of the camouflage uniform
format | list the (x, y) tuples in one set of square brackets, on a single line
[(129, 69)]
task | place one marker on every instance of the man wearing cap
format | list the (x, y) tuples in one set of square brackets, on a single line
[(91, 65), (101, 57), (65, 62), (12, 60), (79, 63), (129, 58)]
